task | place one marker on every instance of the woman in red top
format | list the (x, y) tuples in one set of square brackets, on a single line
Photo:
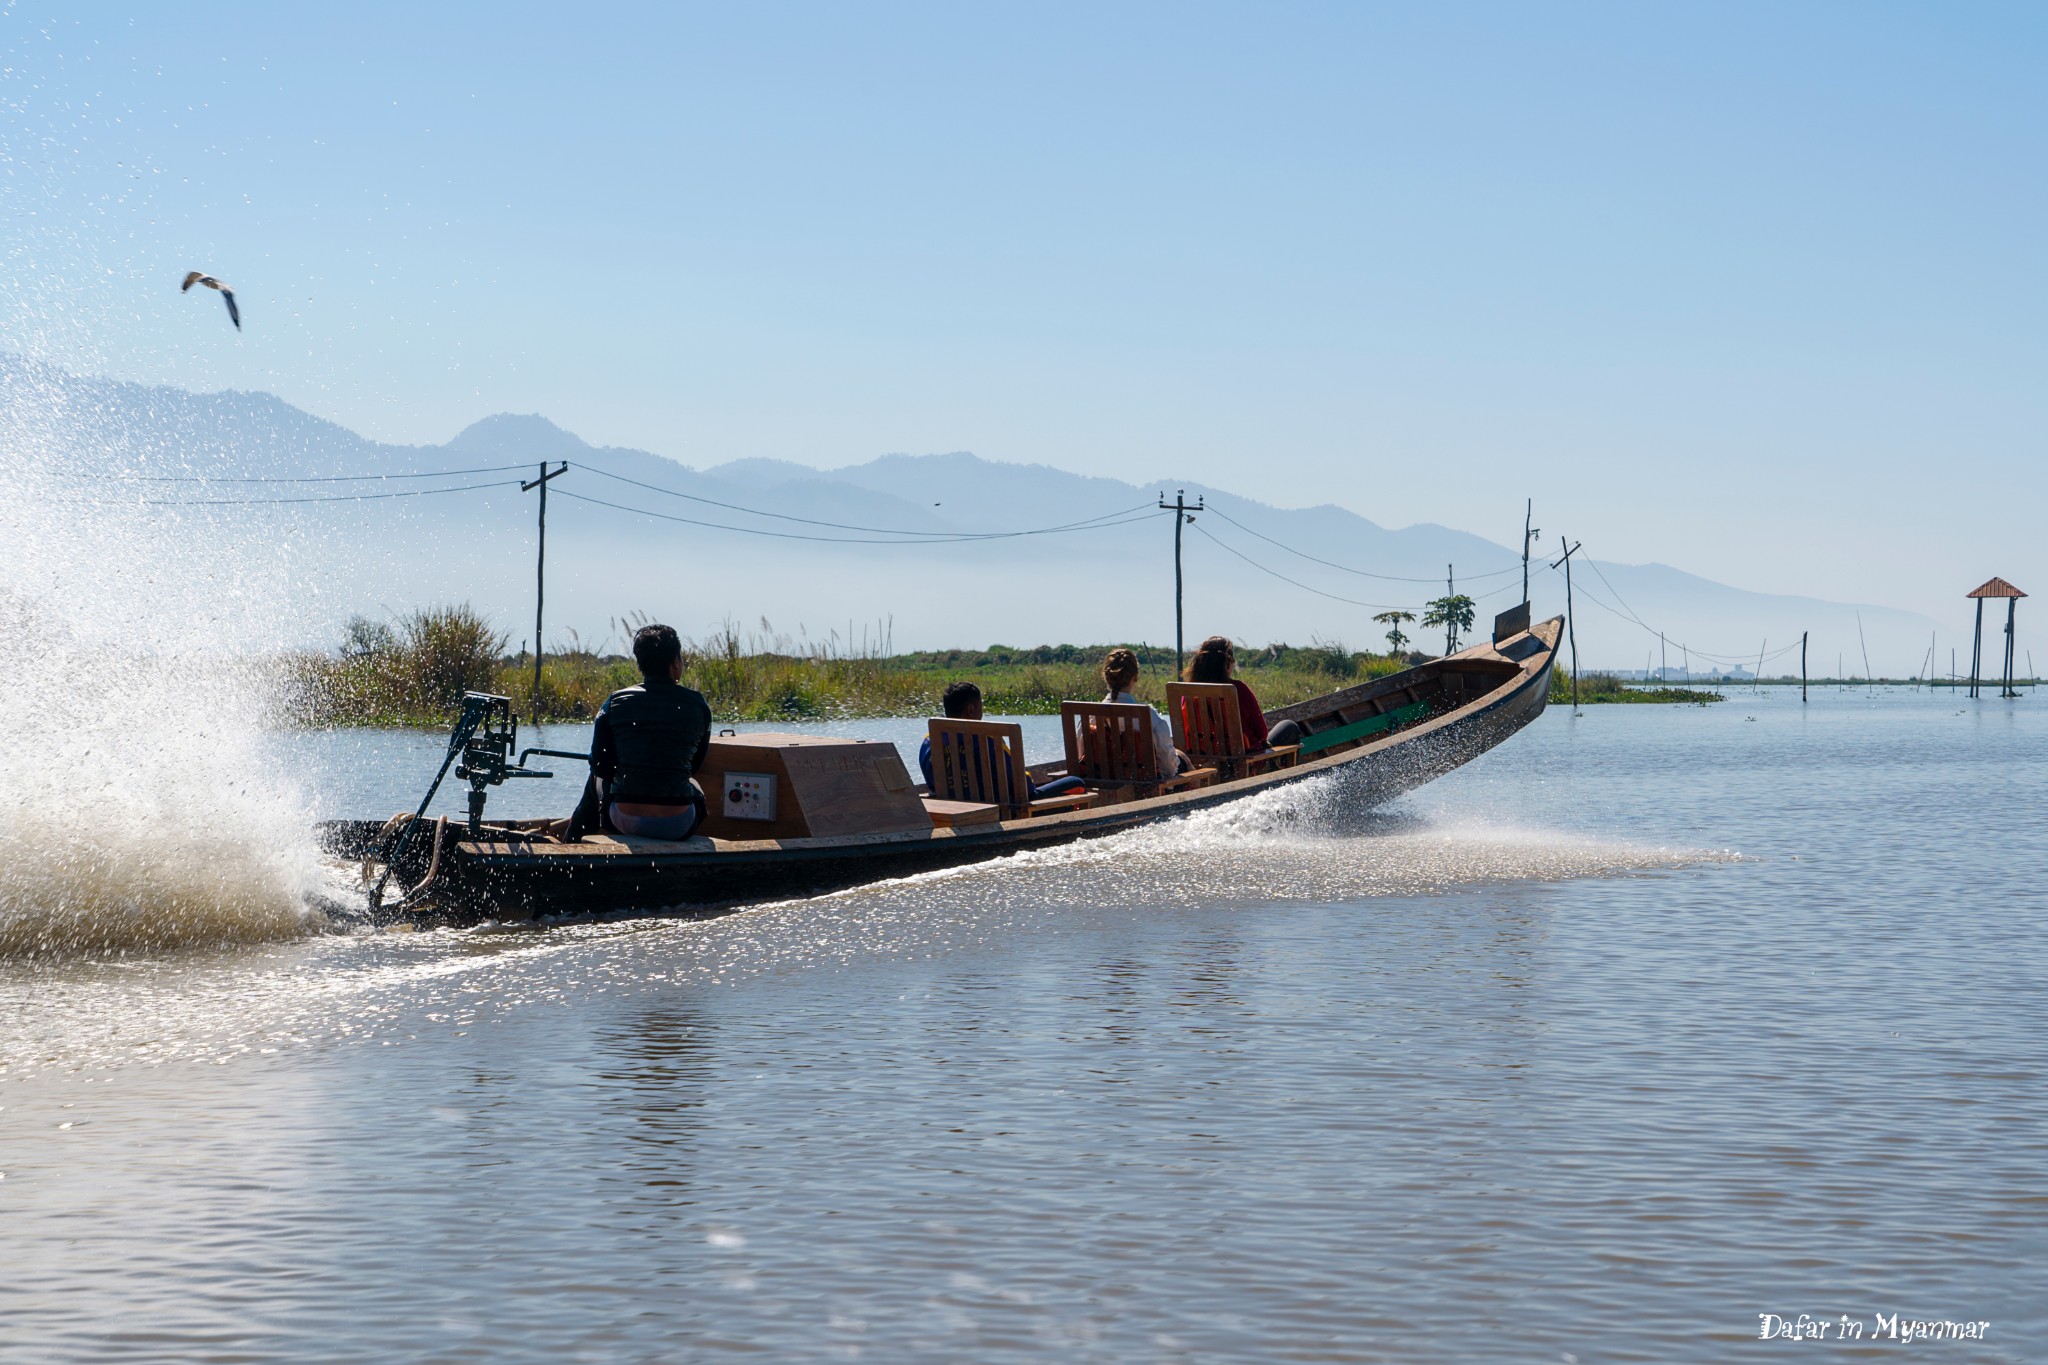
[(1215, 660)]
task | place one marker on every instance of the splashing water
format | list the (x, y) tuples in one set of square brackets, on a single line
[(134, 809), (1312, 841)]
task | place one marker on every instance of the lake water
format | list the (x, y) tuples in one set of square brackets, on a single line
[(1648, 1023)]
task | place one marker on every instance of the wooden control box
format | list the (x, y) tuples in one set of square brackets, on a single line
[(774, 786)]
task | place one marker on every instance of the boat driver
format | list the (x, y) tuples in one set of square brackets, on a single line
[(648, 741)]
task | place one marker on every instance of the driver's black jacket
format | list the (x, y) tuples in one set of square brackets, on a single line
[(649, 740)]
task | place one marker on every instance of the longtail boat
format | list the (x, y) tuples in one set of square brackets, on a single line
[(856, 817)]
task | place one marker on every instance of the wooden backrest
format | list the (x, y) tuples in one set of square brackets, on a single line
[(1206, 720), (980, 761), (1109, 741)]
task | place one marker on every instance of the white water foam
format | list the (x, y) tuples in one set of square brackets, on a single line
[(135, 809), (1310, 841)]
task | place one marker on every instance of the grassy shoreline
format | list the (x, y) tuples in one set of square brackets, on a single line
[(412, 674)]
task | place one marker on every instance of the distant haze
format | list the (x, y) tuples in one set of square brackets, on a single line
[(1752, 288), (134, 445)]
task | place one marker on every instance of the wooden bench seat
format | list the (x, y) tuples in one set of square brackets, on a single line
[(981, 762), (1208, 726), (1110, 747), (955, 814)]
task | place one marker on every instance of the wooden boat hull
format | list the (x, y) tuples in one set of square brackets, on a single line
[(1470, 702)]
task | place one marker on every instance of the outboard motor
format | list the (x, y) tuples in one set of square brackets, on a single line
[(485, 734), (492, 735)]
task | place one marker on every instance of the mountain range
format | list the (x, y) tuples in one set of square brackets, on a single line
[(903, 551)]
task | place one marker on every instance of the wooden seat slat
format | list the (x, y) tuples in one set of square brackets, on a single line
[(981, 762), (1209, 727), (1109, 746)]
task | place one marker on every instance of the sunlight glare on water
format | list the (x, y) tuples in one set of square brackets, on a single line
[(1288, 845), (1529, 1064)]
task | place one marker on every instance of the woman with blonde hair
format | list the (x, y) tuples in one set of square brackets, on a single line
[(1120, 675), (1215, 661)]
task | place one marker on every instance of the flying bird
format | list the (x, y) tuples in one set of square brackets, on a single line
[(227, 295)]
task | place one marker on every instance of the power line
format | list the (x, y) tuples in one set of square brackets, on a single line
[(1362, 573), (906, 537), (1334, 597), (834, 525), (1100, 523), (1107, 520), (1631, 618), (257, 502), (1352, 601), (805, 520), (1619, 598), (321, 478), (1495, 592)]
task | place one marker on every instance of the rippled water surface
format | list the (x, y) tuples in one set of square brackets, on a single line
[(1648, 1023)]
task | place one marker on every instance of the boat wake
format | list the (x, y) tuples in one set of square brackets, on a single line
[(1305, 842), (1300, 847)]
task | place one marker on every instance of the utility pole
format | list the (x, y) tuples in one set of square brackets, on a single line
[(540, 584), (1450, 591), (1802, 668), (1180, 509), (1529, 533), (1571, 619), (1663, 661)]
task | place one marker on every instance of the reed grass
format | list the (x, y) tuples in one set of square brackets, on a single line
[(414, 671)]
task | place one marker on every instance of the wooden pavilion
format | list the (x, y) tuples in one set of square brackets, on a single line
[(1996, 587)]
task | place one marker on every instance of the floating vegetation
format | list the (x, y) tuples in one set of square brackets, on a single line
[(1606, 687)]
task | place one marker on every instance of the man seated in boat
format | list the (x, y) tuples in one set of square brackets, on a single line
[(648, 742), (962, 701)]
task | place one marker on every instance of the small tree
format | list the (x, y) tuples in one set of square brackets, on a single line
[(1454, 614), (1393, 621), (363, 638), (443, 652)]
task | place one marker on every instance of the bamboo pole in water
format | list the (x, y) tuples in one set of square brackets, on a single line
[(1977, 649), (2011, 608)]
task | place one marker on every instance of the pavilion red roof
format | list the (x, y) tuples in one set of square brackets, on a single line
[(1997, 587)]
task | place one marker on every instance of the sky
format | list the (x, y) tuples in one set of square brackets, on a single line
[(1754, 290)]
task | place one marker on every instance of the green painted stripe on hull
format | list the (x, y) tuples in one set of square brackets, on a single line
[(1359, 729)]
